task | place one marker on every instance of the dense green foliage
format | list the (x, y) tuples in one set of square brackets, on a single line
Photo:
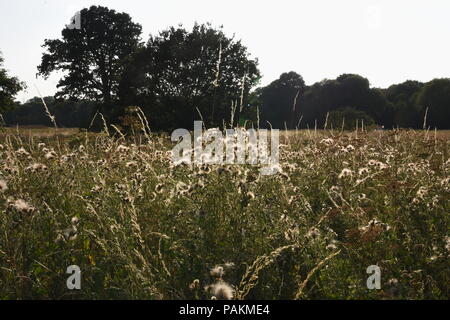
[(93, 57), (9, 87), (403, 105), (182, 73), (73, 114), (348, 119)]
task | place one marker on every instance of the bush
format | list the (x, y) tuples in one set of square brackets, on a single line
[(347, 117)]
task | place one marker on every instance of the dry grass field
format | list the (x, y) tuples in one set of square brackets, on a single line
[(139, 227)]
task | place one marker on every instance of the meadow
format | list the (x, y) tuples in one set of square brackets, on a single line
[(141, 228)]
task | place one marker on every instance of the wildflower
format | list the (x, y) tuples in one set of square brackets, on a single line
[(345, 173), (50, 155), (285, 176), (362, 196), (131, 164), (122, 148), (378, 164), (138, 176), (335, 189), (363, 171), (3, 186), (392, 282), (74, 220), (204, 169), (11, 170), (159, 188), (291, 199), (350, 148), (96, 188), (221, 291), (422, 192), (182, 188), (393, 287), (250, 195), (331, 246), (217, 272), (22, 152), (231, 264), (70, 233), (313, 233), (195, 284), (327, 142), (372, 162), (292, 233), (374, 224), (36, 167), (20, 205)]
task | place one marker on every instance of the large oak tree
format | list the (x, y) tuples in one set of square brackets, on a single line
[(9, 87), (180, 71), (92, 57)]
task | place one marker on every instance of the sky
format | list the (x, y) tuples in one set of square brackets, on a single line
[(386, 41)]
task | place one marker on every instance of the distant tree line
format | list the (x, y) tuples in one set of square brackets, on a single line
[(180, 75), (67, 113), (287, 102)]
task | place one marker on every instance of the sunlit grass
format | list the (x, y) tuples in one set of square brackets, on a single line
[(140, 228)]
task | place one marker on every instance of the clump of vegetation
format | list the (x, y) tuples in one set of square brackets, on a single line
[(349, 118), (139, 227)]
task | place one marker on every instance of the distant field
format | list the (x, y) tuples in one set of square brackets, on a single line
[(139, 227), (39, 131)]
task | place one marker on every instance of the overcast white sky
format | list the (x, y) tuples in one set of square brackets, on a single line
[(386, 41)]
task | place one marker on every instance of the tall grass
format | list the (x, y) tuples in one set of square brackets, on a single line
[(138, 227)]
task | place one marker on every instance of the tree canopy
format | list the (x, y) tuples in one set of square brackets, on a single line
[(403, 99), (347, 90), (350, 96), (180, 71), (9, 87), (93, 56), (435, 96), (280, 100)]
